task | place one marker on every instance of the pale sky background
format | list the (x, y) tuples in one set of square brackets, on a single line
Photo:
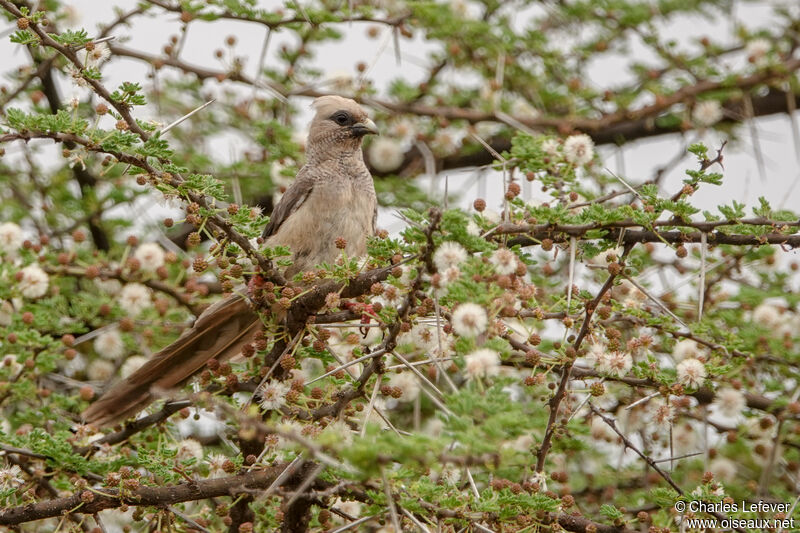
[(637, 161)]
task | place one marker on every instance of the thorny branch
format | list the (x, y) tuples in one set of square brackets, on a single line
[(561, 391)]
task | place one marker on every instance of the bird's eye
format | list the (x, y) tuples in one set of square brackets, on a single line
[(341, 118)]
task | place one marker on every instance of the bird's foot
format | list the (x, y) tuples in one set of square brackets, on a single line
[(255, 288), (368, 312)]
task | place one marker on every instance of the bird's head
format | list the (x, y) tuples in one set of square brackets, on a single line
[(338, 126)]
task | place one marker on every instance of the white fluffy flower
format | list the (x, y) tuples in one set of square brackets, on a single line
[(131, 365), (342, 81), (34, 282), (216, 465), (757, 49), (685, 349), (77, 77), (273, 395), (189, 449), (109, 344), (444, 143), (707, 112), (450, 275), (421, 337), (450, 475), (404, 130), (767, 315), (11, 363), (522, 443), (350, 507), (110, 286), (408, 383), (150, 256), (606, 362), (11, 477), (684, 438), (73, 366), (449, 254), (601, 431), (579, 149), (730, 402), (550, 147), (6, 313), (10, 238), (663, 415), (483, 362), (469, 320), (522, 109), (276, 173), (491, 216), (691, 372), (134, 298), (473, 229), (463, 9), (100, 370), (723, 469), (100, 53), (597, 354), (504, 261), (618, 364), (386, 154), (602, 258)]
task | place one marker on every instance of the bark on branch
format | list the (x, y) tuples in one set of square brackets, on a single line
[(94, 501)]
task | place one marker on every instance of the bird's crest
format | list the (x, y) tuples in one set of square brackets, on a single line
[(329, 104)]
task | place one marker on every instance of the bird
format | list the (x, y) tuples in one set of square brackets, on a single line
[(331, 199)]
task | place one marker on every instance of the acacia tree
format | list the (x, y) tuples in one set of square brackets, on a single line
[(520, 370)]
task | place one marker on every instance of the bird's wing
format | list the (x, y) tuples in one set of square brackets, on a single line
[(291, 201)]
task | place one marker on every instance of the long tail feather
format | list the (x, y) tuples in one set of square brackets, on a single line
[(219, 333)]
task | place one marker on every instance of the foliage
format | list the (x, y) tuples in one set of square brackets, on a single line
[(521, 365)]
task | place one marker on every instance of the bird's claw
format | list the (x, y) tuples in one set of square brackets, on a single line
[(367, 314)]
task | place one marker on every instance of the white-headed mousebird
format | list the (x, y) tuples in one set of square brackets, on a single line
[(332, 197)]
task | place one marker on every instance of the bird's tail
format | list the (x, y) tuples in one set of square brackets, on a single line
[(219, 333)]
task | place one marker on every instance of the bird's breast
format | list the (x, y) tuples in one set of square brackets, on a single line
[(336, 209)]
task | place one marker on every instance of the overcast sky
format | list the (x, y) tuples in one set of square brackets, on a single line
[(743, 181)]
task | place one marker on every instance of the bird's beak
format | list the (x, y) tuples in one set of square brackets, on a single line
[(364, 127)]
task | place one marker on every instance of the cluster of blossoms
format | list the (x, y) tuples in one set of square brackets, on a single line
[(31, 281), (482, 363), (609, 362), (448, 259), (576, 149)]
